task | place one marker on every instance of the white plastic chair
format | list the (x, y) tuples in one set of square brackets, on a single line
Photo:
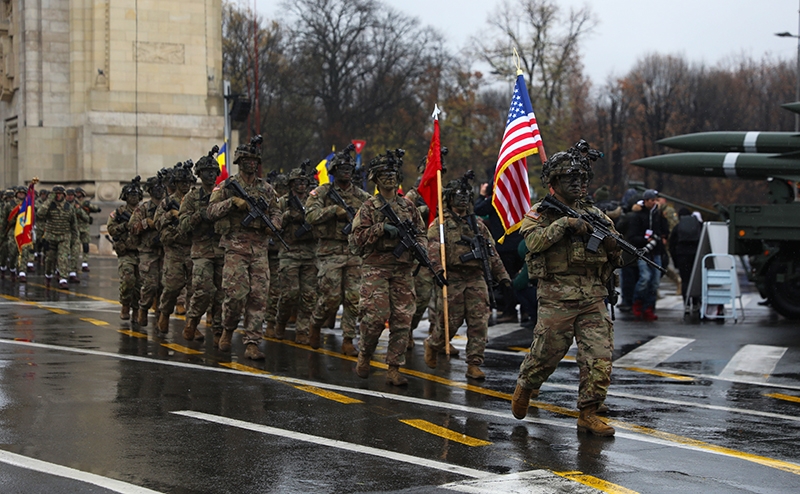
[(719, 287)]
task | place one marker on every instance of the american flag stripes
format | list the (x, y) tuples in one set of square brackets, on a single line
[(511, 197)]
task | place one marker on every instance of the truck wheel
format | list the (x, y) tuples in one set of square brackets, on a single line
[(785, 294)]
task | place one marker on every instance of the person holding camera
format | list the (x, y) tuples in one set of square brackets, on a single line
[(647, 229)]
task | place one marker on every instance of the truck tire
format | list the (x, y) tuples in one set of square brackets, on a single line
[(784, 295)]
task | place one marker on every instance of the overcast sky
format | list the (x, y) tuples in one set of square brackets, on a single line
[(701, 30)]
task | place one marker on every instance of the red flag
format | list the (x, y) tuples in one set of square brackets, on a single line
[(511, 197), (428, 188)]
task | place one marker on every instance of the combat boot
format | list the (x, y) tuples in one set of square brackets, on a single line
[(431, 358), (301, 338), (180, 309), (225, 341), (73, 277), (22, 277), (163, 323), (190, 328), (362, 368), (475, 372), (314, 336), (453, 351), (125, 312), (62, 283), (253, 353), (348, 348), (269, 331), (85, 267), (394, 377), (142, 317), (522, 400), (280, 330), (217, 337), (588, 421)]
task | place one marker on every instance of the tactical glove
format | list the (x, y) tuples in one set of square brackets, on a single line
[(240, 203), (610, 243), (579, 227), (341, 213), (440, 280), (390, 230)]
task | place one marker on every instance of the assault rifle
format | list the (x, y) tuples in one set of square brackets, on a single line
[(600, 230), (257, 210), (351, 213), (479, 249), (295, 203), (408, 233)]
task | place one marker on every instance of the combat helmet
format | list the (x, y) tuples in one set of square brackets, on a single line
[(208, 161), (343, 157), (299, 173), (152, 182), (392, 160), (9, 193), (57, 189), (182, 172), (251, 150), (80, 190), (132, 188), (463, 184), (577, 159)]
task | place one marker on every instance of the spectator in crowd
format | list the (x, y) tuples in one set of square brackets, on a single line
[(683, 241)]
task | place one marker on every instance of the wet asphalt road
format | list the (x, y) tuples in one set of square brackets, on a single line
[(89, 405)]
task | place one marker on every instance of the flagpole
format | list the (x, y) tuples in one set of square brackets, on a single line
[(444, 265)]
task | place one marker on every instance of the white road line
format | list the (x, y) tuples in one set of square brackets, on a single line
[(530, 482), (70, 473), (754, 362), (652, 353), (333, 443)]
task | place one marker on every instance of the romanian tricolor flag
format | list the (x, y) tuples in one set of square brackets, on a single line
[(23, 227), (222, 157), (321, 173)]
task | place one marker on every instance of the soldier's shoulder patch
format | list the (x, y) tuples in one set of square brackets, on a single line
[(113, 213), (217, 188), (313, 191), (533, 214)]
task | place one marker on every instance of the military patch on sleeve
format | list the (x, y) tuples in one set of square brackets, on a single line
[(533, 214), (217, 188), (313, 192)]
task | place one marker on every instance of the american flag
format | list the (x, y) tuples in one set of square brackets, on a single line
[(511, 197)]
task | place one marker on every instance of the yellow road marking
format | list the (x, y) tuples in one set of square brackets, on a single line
[(96, 322), (598, 484), (35, 304), (781, 396), (243, 368), (654, 372), (132, 333), (100, 299), (520, 349), (53, 309), (329, 394), (181, 349), (436, 430)]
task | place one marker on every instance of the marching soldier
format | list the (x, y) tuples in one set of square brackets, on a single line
[(298, 271), (151, 253), (208, 257), (82, 218), (125, 246), (85, 226), (467, 289), (339, 273), (571, 291), (279, 182), (60, 224), (8, 196), (177, 272), (387, 289), (245, 276)]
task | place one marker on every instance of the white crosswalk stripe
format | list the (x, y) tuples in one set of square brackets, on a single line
[(654, 352), (753, 363)]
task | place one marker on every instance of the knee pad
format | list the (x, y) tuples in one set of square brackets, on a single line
[(86, 248)]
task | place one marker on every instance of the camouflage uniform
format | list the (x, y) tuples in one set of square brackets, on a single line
[(339, 272), (127, 252), (387, 289), (60, 225), (208, 257), (423, 281), (9, 240), (23, 259), (82, 218), (298, 270), (84, 226), (4, 212), (177, 271), (467, 293), (151, 252), (278, 182), (571, 292), (245, 276)]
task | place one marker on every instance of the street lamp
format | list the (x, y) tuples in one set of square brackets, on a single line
[(787, 34)]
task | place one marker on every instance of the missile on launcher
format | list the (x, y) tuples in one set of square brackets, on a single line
[(735, 142), (730, 165)]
